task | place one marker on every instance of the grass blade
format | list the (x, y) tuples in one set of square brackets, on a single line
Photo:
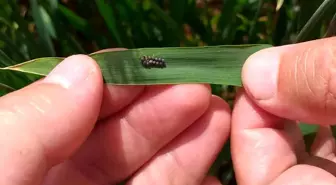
[(15, 49), (173, 34), (164, 16), (279, 4), (211, 64), (5, 60), (4, 87), (74, 20), (44, 26), (24, 35), (332, 28), (227, 18), (254, 22), (107, 13), (316, 17), (47, 22), (15, 80), (53, 4)]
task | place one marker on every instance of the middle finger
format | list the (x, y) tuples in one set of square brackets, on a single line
[(124, 142)]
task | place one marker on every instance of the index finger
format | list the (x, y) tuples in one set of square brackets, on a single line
[(117, 97)]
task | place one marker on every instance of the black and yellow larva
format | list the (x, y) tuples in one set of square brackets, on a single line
[(152, 62)]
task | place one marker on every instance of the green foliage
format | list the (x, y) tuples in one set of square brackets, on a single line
[(47, 28), (220, 64), (316, 20), (37, 28)]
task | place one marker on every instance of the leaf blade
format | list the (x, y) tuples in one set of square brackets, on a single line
[(44, 26), (315, 19), (109, 16), (210, 64)]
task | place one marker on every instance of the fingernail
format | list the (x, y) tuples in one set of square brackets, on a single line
[(260, 74), (70, 72)]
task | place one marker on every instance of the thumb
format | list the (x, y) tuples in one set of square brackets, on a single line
[(296, 82), (44, 123)]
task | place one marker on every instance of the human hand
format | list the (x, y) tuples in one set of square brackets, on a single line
[(71, 129), (294, 82)]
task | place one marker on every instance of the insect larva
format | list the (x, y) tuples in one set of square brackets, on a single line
[(152, 62)]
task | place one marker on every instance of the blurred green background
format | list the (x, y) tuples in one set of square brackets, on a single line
[(38, 28), (31, 29)]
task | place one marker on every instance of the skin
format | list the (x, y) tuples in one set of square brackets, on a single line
[(294, 82), (70, 128)]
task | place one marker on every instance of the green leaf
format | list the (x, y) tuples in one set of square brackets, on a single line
[(74, 20), (193, 19), (279, 4), (5, 60), (44, 26), (47, 22), (315, 19), (108, 14), (309, 132), (74, 44), (228, 13), (212, 64), (283, 25), (53, 4), (15, 80), (24, 36), (307, 129), (226, 22), (164, 16), (254, 22), (68, 42), (165, 27), (14, 49), (332, 27), (7, 88)]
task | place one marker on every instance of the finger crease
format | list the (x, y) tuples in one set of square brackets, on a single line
[(125, 121), (191, 177)]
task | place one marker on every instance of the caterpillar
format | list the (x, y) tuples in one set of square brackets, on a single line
[(152, 62)]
